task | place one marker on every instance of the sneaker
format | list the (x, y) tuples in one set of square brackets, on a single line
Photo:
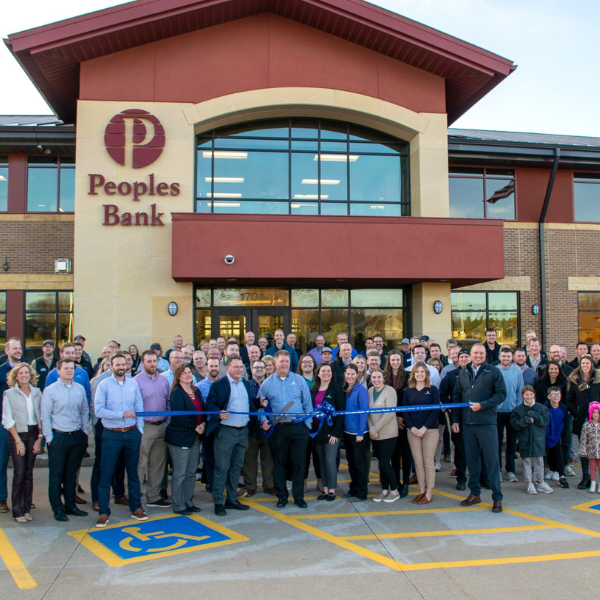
[(592, 487), (102, 521), (563, 483), (548, 475), (512, 477), (569, 472), (381, 496), (392, 496), (452, 473), (3, 506), (531, 489), (544, 488), (139, 514), (438, 466), (159, 504), (555, 476), (242, 492)]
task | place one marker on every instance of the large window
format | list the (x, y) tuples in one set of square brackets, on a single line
[(589, 317), (302, 167), (51, 184), (306, 312), (586, 191), (474, 312), (2, 317), (48, 316), (482, 193), (3, 184)]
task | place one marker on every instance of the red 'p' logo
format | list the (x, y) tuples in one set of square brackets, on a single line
[(147, 138)]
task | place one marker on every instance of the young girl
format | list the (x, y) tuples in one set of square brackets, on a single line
[(529, 420), (590, 444)]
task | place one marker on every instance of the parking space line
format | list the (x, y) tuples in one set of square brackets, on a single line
[(413, 534), (383, 513), (15, 565)]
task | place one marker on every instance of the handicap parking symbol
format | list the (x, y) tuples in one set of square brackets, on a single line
[(126, 543)]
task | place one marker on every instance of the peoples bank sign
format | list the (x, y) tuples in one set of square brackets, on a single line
[(133, 138)]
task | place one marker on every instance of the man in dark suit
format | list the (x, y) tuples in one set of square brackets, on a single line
[(249, 338), (231, 393)]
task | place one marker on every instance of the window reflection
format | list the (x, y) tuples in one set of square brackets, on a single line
[(586, 190), (3, 184)]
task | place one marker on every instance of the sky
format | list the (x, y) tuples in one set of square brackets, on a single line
[(555, 88)]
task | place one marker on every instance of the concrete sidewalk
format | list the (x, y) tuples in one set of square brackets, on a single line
[(539, 545)]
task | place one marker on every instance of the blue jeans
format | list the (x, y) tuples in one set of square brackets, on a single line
[(113, 443), (4, 453)]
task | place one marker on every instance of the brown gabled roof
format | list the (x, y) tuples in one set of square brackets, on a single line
[(51, 54)]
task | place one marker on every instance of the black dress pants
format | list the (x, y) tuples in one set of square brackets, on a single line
[(289, 439), (65, 453), (358, 455)]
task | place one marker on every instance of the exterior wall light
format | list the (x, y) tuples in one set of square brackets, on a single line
[(173, 308), (62, 265), (437, 307), (535, 309)]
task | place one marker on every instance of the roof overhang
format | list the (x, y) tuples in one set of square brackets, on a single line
[(51, 55)]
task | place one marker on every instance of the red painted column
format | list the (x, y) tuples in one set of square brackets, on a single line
[(15, 314), (17, 184)]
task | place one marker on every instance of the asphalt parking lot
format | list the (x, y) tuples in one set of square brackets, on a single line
[(540, 544)]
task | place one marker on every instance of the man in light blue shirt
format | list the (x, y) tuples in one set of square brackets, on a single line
[(80, 377), (316, 351), (117, 401), (289, 438), (175, 360)]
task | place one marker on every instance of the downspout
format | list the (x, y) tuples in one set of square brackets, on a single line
[(543, 244)]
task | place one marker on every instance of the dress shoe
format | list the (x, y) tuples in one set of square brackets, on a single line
[(96, 506), (403, 489), (330, 497), (322, 496), (185, 511), (300, 504), (416, 499), (220, 510), (61, 516), (194, 509), (470, 500), (412, 480), (497, 506), (236, 505), (250, 493), (282, 503), (122, 500), (461, 485), (76, 512), (271, 491), (80, 490), (424, 500), (79, 500)]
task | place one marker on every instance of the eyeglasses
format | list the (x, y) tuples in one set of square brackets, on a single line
[(307, 362), (555, 394)]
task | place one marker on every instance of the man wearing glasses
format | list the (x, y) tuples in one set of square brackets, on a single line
[(257, 442)]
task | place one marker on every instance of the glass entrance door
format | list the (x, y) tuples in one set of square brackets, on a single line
[(262, 321)]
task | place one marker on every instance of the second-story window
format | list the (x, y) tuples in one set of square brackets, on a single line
[(51, 184), (482, 193), (3, 184), (586, 192)]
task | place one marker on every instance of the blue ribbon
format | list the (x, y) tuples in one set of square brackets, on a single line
[(324, 412)]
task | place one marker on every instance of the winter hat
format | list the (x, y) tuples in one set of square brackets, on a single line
[(593, 407)]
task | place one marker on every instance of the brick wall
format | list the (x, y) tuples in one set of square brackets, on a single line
[(32, 246)]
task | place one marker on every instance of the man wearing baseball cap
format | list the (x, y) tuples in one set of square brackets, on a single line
[(45, 363), (81, 340)]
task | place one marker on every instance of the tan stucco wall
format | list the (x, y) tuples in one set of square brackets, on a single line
[(123, 281), (425, 321)]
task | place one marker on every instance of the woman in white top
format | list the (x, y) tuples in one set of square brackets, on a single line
[(21, 418)]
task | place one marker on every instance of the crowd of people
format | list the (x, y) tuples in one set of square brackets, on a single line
[(245, 401)]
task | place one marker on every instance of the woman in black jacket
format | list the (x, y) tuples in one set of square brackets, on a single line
[(327, 440), (183, 438), (584, 389), (552, 376)]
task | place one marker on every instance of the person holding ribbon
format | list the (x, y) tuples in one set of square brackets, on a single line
[(290, 435), (423, 429), (383, 430), (329, 430), (356, 435)]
